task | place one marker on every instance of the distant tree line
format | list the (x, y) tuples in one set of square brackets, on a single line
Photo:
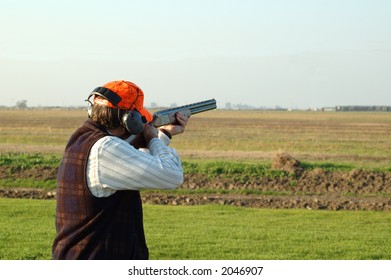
[(363, 108), (22, 104)]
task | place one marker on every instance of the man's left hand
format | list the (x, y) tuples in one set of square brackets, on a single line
[(177, 128)]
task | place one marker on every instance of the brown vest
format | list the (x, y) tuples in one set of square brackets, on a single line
[(89, 227)]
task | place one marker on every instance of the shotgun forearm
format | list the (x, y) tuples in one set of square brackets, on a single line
[(167, 116)]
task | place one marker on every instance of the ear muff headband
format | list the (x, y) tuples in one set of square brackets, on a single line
[(108, 94)]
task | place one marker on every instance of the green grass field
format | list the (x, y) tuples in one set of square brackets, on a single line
[(216, 232)]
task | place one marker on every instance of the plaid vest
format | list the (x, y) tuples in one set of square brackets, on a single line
[(89, 227)]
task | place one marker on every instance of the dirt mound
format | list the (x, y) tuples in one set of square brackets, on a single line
[(285, 162)]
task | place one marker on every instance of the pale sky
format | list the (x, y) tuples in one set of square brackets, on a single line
[(294, 53)]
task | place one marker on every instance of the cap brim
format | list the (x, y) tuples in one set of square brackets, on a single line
[(146, 114)]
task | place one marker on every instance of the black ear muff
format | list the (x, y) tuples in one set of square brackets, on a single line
[(133, 122)]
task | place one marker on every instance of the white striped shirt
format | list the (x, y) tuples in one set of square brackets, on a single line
[(113, 165)]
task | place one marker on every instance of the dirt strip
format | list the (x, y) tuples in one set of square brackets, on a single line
[(310, 202)]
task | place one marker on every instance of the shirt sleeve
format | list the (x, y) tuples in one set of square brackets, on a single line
[(114, 165)]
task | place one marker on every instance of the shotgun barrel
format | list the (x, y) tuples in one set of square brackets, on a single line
[(167, 116)]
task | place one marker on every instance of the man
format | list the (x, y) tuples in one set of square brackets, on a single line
[(99, 211)]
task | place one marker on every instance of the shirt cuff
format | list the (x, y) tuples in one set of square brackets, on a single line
[(164, 138)]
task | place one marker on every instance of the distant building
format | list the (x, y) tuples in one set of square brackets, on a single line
[(329, 109)]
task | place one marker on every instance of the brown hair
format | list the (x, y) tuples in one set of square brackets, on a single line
[(106, 116)]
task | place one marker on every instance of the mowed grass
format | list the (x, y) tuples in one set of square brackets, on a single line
[(216, 232)]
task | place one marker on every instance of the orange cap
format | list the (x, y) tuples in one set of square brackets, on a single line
[(132, 97)]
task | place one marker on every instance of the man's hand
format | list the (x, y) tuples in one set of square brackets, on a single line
[(142, 139), (149, 133), (177, 128)]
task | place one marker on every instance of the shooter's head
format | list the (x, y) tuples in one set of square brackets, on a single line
[(117, 103)]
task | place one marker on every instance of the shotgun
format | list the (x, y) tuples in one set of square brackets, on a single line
[(167, 116)]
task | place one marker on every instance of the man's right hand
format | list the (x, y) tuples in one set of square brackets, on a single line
[(142, 139), (149, 133)]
